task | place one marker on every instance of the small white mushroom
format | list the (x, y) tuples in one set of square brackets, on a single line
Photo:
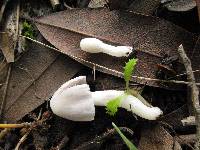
[(93, 45), (74, 101)]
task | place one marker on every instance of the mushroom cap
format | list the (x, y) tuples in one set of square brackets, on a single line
[(73, 101)]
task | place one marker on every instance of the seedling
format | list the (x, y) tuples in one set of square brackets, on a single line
[(112, 105)]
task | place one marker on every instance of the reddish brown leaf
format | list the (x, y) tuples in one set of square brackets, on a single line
[(7, 46), (61, 70), (147, 7), (174, 118), (26, 71), (151, 37), (157, 138), (34, 78)]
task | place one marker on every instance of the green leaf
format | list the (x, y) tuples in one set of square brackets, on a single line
[(28, 30), (128, 71), (129, 144), (112, 105)]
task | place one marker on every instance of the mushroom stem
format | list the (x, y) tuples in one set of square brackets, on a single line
[(130, 103), (93, 45)]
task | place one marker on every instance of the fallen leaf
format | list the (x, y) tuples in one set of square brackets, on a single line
[(147, 7), (151, 37), (118, 4), (7, 46), (174, 118), (2, 8), (34, 78), (179, 5), (10, 28), (157, 138)]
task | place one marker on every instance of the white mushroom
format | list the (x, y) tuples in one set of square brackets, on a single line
[(93, 45), (74, 101)]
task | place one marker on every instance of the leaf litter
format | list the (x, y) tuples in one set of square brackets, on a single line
[(151, 38), (40, 71)]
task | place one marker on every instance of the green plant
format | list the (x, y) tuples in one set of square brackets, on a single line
[(129, 144), (128, 71), (28, 30), (112, 105)]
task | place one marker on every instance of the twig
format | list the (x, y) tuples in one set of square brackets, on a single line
[(5, 93), (67, 6), (4, 132), (182, 74), (198, 8), (194, 91), (38, 122), (99, 139), (3, 8), (22, 139), (119, 74), (22, 125), (63, 142), (94, 73), (17, 24)]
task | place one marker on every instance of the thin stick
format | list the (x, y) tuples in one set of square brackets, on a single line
[(5, 93), (119, 74), (22, 125), (3, 8), (182, 74), (194, 92), (22, 140), (4, 132), (67, 6), (198, 8), (63, 143), (94, 73)]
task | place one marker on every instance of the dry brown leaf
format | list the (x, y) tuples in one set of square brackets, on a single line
[(157, 138), (7, 46), (151, 37), (147, 7), (34, 78), (174, 118), (61, 70), (194, 57), (118, 4), (179, 5), (10, 25)]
